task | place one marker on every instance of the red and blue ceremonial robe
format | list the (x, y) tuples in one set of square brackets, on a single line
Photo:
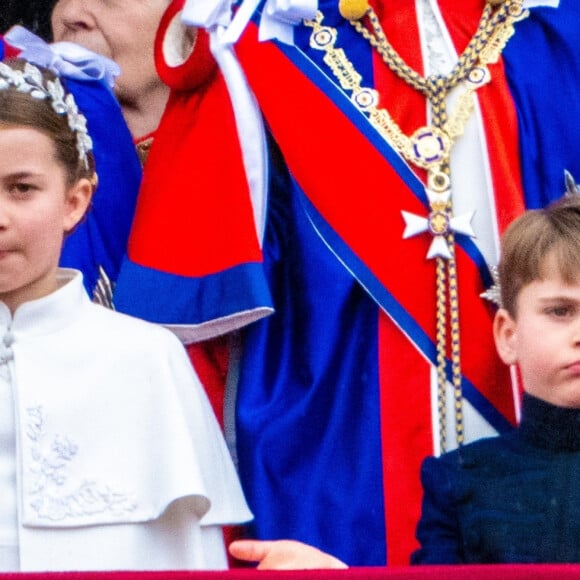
[(335, 400), (194, 260)]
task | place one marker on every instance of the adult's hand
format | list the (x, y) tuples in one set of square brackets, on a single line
[(283, 555)]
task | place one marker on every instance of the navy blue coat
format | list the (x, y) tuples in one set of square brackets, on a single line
[(514, 498)]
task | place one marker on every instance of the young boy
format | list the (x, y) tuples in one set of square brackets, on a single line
[(516, 498)]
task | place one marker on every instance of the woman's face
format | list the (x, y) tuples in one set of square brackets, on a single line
[(122, 30), (37, 208)]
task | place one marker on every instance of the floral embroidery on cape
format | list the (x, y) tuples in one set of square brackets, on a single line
[(50, 489)]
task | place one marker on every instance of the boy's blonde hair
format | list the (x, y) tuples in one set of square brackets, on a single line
[(554, 231)]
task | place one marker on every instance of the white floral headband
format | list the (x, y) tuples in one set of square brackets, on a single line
[(31, 81)]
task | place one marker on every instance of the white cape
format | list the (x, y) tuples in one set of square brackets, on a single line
[(120, 461)]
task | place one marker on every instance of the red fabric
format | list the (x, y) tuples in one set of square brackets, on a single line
[(213, 201), (185, 219), (210, 360), (196, 69), (406, 438), (399, 22)]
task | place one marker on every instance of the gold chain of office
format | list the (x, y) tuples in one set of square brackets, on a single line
[(428, 147)]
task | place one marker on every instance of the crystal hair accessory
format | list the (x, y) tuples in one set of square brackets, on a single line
[(572, 188), (31, 81)]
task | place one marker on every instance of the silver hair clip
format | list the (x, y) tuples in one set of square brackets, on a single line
[(30, 81), (572, 188), (493, 293)]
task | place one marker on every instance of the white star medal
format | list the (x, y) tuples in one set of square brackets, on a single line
[(439, 223)]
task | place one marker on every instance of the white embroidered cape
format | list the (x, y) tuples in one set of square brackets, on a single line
[(120, 461)]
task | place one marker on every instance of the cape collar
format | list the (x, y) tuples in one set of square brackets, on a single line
[(49, 313)]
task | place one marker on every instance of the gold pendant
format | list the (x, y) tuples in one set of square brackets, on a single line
[(428, 146)]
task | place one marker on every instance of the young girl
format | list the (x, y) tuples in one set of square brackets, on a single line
[(110, 457)]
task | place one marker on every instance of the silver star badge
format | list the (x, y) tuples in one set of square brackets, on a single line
[(439, 223)]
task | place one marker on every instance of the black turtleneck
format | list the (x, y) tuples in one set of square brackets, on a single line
[(550, 427)]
